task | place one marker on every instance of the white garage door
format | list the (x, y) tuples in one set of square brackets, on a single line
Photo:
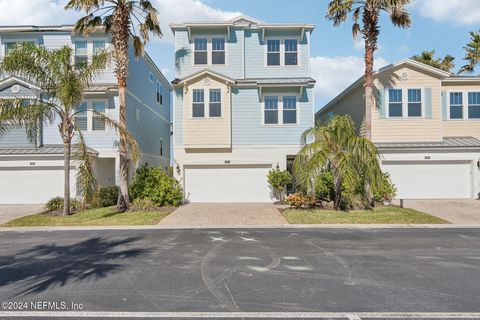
[(433, 180), (227, 184), (21, 186)]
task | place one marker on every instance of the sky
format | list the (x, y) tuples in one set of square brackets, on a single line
[(337, 60)]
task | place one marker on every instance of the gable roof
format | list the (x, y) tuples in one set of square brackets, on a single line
[(202, 73), (11, 80), (246, 18)]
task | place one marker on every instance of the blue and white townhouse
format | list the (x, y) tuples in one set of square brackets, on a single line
[(33, 174), (243, 96)]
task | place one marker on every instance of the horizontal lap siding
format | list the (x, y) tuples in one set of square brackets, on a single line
[(398, 130), (458, 128), (247, 128), (178, 117)]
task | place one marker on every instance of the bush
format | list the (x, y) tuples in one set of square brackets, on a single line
[(105, 197), (56, 204), (155, 184), (324, 186), (144, 204), (386, 189), (278, 180), (299, 200)]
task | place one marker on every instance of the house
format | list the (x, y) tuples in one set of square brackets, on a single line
[(242, 97), (34, 174), (426, 125)]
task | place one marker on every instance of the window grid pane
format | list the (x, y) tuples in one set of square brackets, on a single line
[(81, 118), (215, 107), (273, 45), (456, 105), (218, 44), (414, 102), (201, 44), (98, 123), (474, 105), (98, 46), (198, 108), (395, 107), (271, 110)]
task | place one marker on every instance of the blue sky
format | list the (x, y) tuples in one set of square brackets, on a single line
[(337, 60)]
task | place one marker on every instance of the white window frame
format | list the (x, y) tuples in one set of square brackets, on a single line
[(90, 42), (209, 49), (16, 40), (282, 51), (90, 115), (468, 105), (464, 106), (404, 103), (158, 84), (206, 102), (280, 109)]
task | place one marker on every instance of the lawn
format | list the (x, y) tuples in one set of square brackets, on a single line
[(93, 217), (380, 215)]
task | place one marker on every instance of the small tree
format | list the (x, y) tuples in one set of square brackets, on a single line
[(279, 179), (472, 53)]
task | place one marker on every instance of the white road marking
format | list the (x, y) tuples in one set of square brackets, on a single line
[(271, 315)]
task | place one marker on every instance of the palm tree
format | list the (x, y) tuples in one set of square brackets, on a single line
[(472, 53), (369, 11), (126, 20), (336, 147), (62, 85), (428, 57)]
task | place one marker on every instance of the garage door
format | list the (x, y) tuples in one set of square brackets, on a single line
[(227, 184), (432, 180), (33, 186)]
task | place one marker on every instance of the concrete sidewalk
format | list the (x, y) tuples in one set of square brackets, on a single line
[(12, 211), (218, 214), (457, 211)]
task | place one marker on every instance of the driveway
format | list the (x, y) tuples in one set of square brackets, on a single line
[(12, 211), (464, 211), (224, 214)]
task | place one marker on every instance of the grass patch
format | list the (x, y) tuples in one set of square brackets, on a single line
[(380, 215), (93, 217)]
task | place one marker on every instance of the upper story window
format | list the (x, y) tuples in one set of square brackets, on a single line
[(280, 109), (271, 110), (414, 102), (159, 93), (273, 52), (291, 52), (201, 51), (198, 105), (456, 105), (98, 47), (81, 54), (215, 103), (218, 50), (161, 147), (88, 115), (10, 45), (290, 109), (395, 103), (474, 105)]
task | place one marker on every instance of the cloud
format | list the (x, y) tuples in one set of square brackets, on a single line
[(50, 12), (334, 74), (460, 12)]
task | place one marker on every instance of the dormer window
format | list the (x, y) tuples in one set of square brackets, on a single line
[(201, 52)]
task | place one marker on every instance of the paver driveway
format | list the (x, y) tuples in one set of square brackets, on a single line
[(12, 211), (457, 211), (224, 214)]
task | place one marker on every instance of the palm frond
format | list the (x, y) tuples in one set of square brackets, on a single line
[(85, 160)]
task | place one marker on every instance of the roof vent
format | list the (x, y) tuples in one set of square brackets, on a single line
[(15, 88), (404, 76)]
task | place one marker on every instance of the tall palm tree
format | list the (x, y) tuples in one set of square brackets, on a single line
[(428, 57), (126, 20), (62, 85), (472, 53), (369, 11), (336, 147)]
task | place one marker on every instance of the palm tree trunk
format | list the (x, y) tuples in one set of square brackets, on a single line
[(123, 198), (66, 169), (337, 185)]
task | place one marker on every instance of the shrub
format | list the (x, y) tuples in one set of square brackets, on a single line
[(386, 189), (105, 197), (144, 204), (299, 200), (278, 180), (155, 184), (56, 204), (324, 186)]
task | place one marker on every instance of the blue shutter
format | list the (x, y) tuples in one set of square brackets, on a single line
[(381, 103), (444, 105), (428, 103)]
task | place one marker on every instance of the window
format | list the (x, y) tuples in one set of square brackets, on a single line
[(456, 105), (474, 105), (395, 103), (218, 50), (291, 53), (290, 110), (81, 54), (201, 53), (161, 147), (414, 102), (137, 114), (151, 77), (97, 122), (215, 103), (81, 117), (98, 47), (271, 110), (159, 93), (198, 107), (10, 45), (273, 52)]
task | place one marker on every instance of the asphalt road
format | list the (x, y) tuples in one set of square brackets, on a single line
[(258, 270)]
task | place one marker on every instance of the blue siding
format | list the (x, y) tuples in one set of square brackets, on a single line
[(247, 112), (178, 120)]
